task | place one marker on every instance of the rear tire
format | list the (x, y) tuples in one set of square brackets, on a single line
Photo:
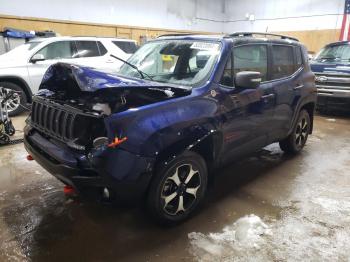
[(296, 141), (17, 105), (178, 188)]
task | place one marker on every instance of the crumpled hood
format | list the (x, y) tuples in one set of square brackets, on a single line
[(326, 67), (89, 79)]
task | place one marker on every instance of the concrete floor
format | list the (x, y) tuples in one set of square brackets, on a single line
[(304, 202)]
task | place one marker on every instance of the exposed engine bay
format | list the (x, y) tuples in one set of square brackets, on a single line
[(99, 93), (110, 101)]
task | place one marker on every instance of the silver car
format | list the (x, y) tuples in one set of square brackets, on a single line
[(22, 68)]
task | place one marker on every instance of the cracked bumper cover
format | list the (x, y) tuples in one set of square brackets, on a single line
[(127, 174)]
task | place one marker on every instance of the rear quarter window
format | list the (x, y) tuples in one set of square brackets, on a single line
[(101, 48), (127, 47), (87, 48), (299, 57)]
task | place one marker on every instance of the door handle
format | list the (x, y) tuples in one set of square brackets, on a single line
[(268, 96), (267, 99), (297, 87)]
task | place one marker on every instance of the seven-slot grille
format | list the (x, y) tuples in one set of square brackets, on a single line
[(53, 120)]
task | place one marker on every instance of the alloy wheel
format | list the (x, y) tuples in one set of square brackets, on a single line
[(14, 103), (301, 132), (179, 191)]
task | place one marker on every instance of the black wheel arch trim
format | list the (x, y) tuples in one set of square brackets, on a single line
[(178, 148), (302, 103)]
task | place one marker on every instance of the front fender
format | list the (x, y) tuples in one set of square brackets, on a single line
[(154, 129)]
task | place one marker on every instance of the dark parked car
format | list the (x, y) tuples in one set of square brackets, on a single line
[(181, 106), (332, 69)]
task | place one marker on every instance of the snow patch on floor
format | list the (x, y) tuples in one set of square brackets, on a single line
[(244, 235), (292, 238)]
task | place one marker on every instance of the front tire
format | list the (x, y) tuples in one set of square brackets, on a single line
[(296, 141), (178, 188), (16, 105)]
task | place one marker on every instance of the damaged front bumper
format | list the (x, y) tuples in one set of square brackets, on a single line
[(126, 174)]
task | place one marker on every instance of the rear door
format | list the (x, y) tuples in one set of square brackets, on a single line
[(246, 112), (287, 82)]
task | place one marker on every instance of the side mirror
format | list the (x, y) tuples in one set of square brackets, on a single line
[(36, 58), (248, 79)]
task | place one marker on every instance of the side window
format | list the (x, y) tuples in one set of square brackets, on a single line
[(227, 78), (101, 48), (58, 50), (250, 58), (127, 47), (299, 56), (283, 61), (87, 49)]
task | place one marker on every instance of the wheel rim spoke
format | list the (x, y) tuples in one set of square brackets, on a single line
[(168, 199), (175, 178), (304, 126), (190, 175), (192, 191), (180, 206)]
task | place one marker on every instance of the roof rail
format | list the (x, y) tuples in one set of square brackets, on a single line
[(251, 34), (179, 34)]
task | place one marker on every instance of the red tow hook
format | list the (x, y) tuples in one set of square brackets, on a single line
[(30, 158), (69, 191)]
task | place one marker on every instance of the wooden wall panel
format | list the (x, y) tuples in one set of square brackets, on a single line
[(72, 28), (136, 34), (124, 32), (314, 40)]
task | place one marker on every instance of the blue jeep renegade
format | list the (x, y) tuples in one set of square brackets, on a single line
[(179, 107)]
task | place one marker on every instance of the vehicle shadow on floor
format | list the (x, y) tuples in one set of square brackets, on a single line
[(49, 228)]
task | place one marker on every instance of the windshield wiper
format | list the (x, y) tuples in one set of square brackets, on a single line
[(142, 74)]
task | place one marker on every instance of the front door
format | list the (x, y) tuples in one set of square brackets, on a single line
[(247, 113)]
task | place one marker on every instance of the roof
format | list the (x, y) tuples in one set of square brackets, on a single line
[(339, 43), (236, 37), (191, 36)]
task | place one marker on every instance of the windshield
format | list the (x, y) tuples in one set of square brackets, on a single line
[(179, 62), (336, 53)]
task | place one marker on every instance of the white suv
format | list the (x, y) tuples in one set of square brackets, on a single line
[(22, 68)]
